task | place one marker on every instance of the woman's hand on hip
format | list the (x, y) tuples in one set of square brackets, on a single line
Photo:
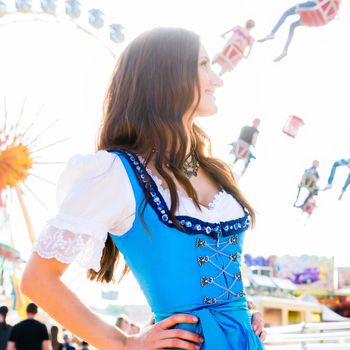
[(258, 325), (162, 336), (257, 321)]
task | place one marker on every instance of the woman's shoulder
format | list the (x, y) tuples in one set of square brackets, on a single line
[(89, 166), (92, 171), (97, 161)]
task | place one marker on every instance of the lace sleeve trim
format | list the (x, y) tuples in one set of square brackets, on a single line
[(68, 247)]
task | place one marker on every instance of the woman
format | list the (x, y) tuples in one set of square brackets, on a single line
[(172, 210), (55, 344)]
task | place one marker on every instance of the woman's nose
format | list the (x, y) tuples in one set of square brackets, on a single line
[(217, 81)]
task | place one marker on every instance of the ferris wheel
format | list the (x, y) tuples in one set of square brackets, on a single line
[(17, 144), (91, 21)]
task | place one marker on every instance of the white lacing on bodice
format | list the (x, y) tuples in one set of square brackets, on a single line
[(229, 256)]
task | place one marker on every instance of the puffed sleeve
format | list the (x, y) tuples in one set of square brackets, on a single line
[(94, 197)]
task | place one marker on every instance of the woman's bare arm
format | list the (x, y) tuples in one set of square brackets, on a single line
[(42, 283)]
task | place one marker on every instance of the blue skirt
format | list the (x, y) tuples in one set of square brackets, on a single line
[(224, 326)]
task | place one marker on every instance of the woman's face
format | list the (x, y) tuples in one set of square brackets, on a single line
[(208, 82)]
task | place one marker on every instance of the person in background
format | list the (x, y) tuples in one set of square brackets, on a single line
[(339, 163), (134, 329), (56, 345), (238, 46), (84, 345), (346, 185), (67, 342), (30, 333), (5, 329), (308, 181), (122, 323), (309, 6), (249, 134), (241, 149)]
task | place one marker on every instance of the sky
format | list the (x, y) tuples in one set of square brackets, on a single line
[(54, 66)]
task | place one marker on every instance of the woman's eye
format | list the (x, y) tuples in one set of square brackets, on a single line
[(205, 63)]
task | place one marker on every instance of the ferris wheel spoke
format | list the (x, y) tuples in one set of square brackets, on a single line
[(34, 195), (34, 120), (50, 145), (4, 127), (42, 133), (42, 178), (47, 163), (15, 127), (26, 215)]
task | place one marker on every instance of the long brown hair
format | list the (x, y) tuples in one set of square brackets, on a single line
[(154, 84)]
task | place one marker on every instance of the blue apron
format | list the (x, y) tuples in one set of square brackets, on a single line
[(195, 271)]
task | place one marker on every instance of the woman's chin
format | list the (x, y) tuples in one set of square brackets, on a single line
[(207, 112)]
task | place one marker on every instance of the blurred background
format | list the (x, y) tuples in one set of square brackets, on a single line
[(55, 66)]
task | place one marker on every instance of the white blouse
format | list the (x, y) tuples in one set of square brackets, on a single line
[(94, 197)]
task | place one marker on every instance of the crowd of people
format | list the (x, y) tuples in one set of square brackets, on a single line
[(31, 334), (128, 327)]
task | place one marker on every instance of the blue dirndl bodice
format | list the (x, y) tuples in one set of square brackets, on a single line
[(196, 271)]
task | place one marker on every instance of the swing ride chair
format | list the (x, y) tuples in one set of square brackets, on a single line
[(230, 56), (292, 126), (241, 150), (320, 14), (309, 181), (232, 53)]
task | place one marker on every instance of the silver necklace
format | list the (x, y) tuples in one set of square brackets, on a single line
[(190, 165)]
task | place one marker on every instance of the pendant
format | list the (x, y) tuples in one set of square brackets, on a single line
[(191, 166)]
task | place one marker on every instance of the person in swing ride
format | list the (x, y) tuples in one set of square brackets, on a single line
[(311, 14)]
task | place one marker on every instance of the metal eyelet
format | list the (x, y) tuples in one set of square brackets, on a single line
[(200, 243), (240, 294), (234, 256), (202, 260), (234, 239), (205, 281), (238, 276), (209, 301)]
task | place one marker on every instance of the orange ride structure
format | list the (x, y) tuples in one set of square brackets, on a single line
[(16, 147), (20, 136), (17, 159)]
